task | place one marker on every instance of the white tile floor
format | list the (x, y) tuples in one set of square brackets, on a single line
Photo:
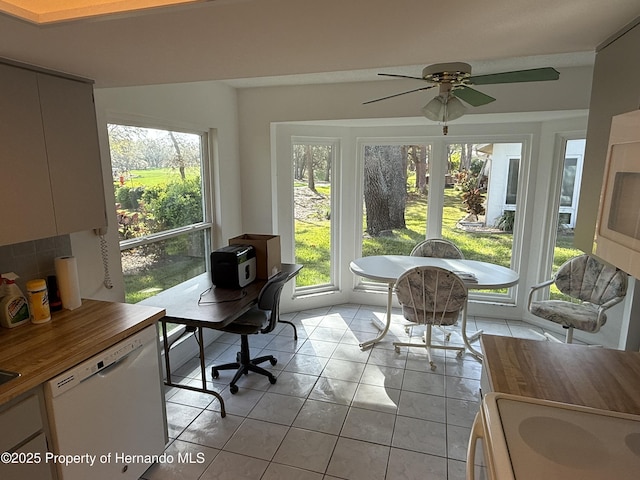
[(336, 412)]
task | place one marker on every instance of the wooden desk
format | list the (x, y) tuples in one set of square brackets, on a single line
[(577, 374), (199, 305)]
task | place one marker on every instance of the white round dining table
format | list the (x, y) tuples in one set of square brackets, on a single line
[(475, 274)]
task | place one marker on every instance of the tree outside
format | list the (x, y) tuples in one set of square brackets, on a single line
[(158, 191), (396, 181)]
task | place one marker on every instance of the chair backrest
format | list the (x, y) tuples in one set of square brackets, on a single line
[(586, 278), (436, 247), (431, 295), (269, 299)]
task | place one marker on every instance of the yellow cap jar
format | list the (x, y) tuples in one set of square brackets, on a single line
[(38, 299)]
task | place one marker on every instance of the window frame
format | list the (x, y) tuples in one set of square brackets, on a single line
[(207, 152), (435, 201), (335, 215)]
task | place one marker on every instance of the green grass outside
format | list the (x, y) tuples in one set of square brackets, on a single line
[(313, 250), (313, 241), (156, 176)]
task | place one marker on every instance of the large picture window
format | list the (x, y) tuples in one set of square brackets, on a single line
[(313, 164), (163, 223), (395, 180), (406, 199)]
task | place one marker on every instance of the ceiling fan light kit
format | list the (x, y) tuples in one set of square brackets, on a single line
[(455, 82), (443, 108)]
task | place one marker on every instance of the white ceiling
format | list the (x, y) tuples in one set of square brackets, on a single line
[(304, 41)]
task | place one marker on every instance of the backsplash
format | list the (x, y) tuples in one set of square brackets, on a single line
[(33, 259)]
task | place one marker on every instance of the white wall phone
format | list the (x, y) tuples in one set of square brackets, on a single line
[(104, 251)]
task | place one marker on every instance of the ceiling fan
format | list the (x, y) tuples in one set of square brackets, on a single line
[(455, 80)]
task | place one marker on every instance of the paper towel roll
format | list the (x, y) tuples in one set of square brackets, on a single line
[(68, 284)]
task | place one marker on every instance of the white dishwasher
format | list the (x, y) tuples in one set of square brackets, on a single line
[(107, 414)]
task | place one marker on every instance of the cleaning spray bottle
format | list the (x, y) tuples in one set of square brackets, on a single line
[(14, 309)]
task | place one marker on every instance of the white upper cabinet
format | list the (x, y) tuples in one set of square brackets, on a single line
[(50, 156), (26, 208), (71, 137)]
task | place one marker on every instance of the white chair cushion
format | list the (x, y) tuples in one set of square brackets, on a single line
[(582, 316)]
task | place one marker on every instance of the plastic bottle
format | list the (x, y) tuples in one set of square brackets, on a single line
[(14, 310), (38, 301)]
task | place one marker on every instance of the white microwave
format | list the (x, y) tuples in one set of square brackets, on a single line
[(618, 228)]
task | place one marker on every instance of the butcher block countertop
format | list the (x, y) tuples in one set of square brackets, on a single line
[(577, 374), (40, 352)]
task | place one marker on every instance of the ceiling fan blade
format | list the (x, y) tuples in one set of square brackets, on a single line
[(398, 94), (532, 75), (399, 76), (472, 96)]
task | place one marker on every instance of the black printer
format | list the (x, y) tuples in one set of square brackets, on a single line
[(233, 266)]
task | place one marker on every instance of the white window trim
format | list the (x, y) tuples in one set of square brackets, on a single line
[(335, 202)]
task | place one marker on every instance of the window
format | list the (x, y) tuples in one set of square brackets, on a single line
[(163, 223), (512, 181), (313, 166), (479, 212), (571, 176), (395, 179)]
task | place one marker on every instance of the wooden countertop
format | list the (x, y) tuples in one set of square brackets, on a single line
[(577, 374), (40, 352)]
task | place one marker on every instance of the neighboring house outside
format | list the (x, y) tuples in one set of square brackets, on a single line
[(503, 171)]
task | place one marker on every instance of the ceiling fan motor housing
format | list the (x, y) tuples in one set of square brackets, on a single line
[(455, 72)]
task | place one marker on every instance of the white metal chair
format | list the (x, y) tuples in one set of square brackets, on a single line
[(431, 296), (593, 287), (436, 247)]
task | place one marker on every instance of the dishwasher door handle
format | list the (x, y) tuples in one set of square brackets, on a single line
[(131, 357)]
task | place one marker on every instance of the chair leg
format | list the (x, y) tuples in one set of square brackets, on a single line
[(427, 345), (569, 338), (295, 330), (244, 365), (551, 338)]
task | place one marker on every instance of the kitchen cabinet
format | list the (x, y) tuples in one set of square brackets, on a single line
[(49, 154), (24, 439)]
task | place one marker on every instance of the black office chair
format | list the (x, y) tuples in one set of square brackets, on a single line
[(291, 271), (262, 318)]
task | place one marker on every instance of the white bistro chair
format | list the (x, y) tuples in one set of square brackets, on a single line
[(431, 296), (593, 288)]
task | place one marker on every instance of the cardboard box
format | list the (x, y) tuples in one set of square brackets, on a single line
[(268, 260)]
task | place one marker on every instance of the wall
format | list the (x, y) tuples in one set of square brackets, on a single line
[(203, 106), (260, 107), (341, 105), (33, 259), (616, 90)]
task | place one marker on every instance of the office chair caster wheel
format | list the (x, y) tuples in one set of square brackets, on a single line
[(397, 349), (459, 355), (447, 337), (215, 373), (233, 389), (272, 380), (273, 361), (432, 365)]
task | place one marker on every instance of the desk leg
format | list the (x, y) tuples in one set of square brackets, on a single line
[(385, 329), (467, 342), (203, 371)]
